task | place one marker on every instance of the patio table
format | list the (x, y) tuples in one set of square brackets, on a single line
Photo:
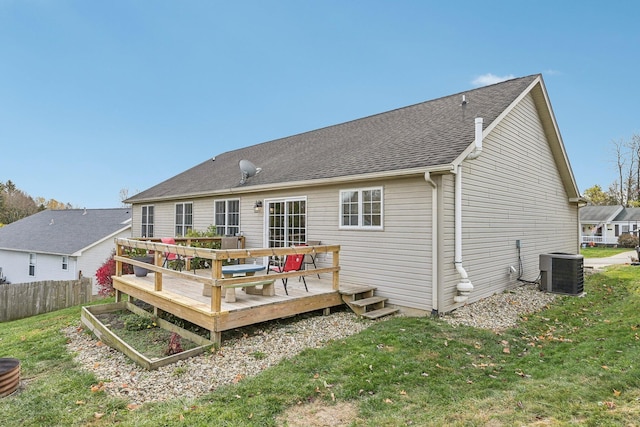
[(229, 271)]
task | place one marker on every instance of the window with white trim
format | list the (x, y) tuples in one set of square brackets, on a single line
[(32, 264), (65, 262), (227, 217), (147, 221), (361, 208), (184, 218)]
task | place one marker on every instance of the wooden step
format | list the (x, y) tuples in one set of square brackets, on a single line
[(375, 314), (353, 292), (346, 289), (368, 301), (361, 306)]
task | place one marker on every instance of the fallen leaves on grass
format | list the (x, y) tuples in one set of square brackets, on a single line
[(97, 387), (609, 404)]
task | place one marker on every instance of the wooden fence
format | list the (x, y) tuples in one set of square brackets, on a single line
[(22, 300)]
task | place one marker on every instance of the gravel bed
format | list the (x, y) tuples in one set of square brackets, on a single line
[(267, 345), (237, 358), (501, 311)]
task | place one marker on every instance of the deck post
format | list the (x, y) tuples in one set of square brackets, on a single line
[(118, 262), (336, 273), (158, 275), (216, 291)]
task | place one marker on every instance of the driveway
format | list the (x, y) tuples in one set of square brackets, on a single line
[(621, 258)]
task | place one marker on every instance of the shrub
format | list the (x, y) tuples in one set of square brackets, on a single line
[(627, 240), (175, 346), (104, 273), (197, 262), (133, 322)]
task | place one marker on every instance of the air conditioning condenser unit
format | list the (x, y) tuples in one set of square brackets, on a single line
[(562, 273)]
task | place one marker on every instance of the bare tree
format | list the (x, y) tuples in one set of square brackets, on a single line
[(635, 150), (124, 195), (620, 160), (626, 188)]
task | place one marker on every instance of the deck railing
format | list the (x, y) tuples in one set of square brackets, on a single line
[(217, 257), (204, 242)]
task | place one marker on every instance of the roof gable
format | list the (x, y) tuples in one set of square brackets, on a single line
[(422, 136), (64, 231)]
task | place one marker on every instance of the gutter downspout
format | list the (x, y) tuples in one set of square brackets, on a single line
[(434, 244), (464, 287)]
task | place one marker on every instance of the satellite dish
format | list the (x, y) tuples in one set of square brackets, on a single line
[(248, 170)]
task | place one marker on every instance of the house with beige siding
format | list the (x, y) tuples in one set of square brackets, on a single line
[(436, 204)]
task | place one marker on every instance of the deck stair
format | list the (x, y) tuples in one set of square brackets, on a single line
[(362, 300)]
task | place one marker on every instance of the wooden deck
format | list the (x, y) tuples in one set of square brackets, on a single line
[(182, 293)]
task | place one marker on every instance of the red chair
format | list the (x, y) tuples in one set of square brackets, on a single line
[(170, 256), (291, 263), (311, 257)]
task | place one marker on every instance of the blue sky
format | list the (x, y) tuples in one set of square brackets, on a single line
[(98, 96)]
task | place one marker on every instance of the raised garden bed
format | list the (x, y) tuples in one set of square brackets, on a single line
[(151, 335)]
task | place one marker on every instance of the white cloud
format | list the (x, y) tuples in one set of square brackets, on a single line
[(489, 79)]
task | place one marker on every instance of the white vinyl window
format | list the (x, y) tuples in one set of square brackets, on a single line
[(65, 262), (227, 217), (32, 264), (147, 221), (184, 218), (361, 209)]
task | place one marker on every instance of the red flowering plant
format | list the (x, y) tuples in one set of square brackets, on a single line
[(104, 273)]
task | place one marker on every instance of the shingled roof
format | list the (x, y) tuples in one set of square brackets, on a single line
[(64, 232), (423, 135), (628, 214), (600, 213)]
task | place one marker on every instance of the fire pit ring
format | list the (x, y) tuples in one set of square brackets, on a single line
[(9, 375)]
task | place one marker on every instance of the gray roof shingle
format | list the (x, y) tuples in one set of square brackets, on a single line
[(427, 134), (63, 232), (629, 214), (599, 213)]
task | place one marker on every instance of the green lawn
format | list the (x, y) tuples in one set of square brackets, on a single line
[(602, 252), (575, 363)]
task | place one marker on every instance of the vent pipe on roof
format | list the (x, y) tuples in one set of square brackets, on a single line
[(464, 287)]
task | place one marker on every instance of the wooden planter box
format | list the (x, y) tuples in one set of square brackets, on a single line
[(89, 319)]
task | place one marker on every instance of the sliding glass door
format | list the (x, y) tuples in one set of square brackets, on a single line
[(287, 222)]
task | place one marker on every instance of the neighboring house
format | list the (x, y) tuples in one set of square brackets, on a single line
[(61, 244), (602, 225), (431, 206)]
